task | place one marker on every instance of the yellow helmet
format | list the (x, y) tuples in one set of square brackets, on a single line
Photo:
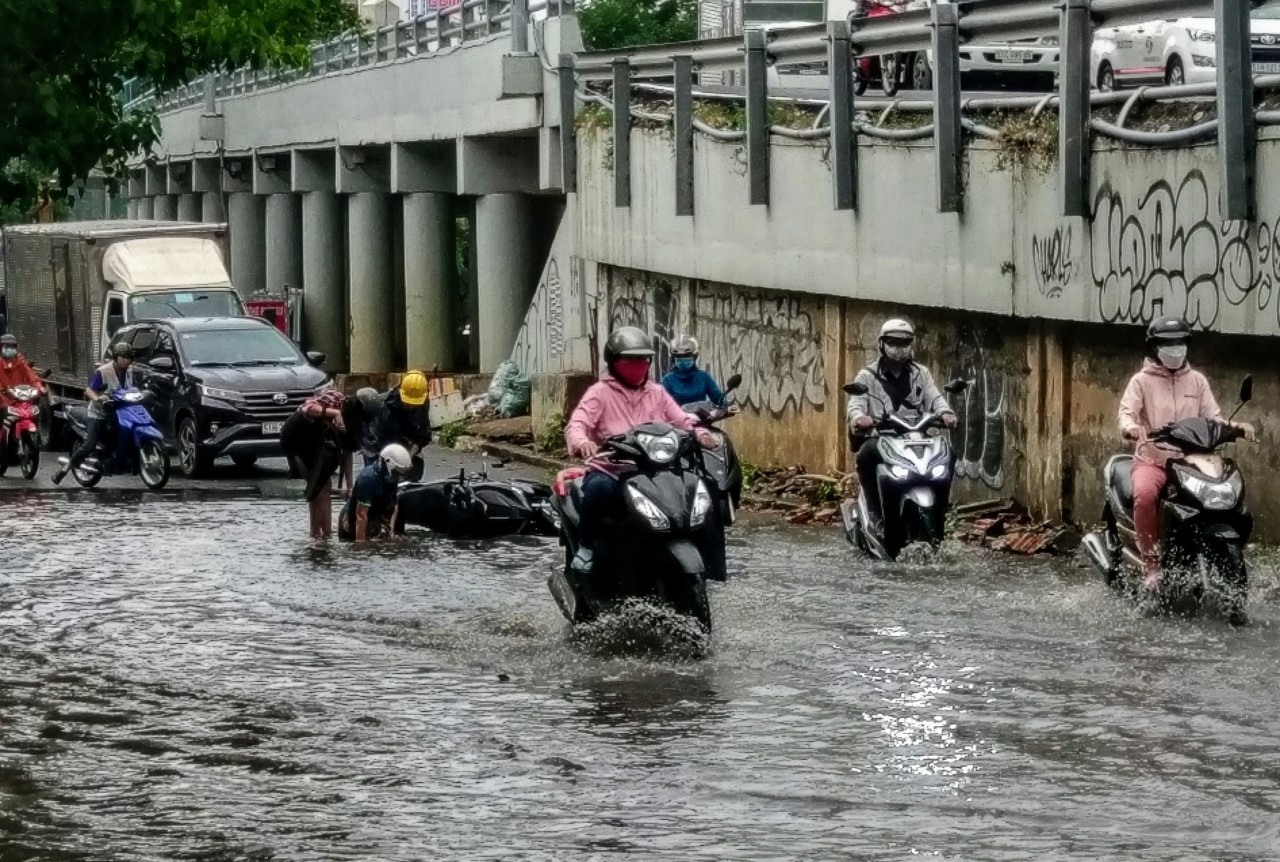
[(413, 388)]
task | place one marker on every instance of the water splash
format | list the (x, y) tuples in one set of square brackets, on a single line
[(635, 627)]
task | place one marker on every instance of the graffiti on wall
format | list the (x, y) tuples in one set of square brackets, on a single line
[(980, 434), (654, 308), (1053, 261), (1170, 253), (772, 339)]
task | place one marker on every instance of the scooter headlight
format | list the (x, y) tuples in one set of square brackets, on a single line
[(661, 448), (938, 471), (1215, 496), (701, 505), (899, 472), (648, 509)]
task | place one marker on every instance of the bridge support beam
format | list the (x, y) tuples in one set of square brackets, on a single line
[(189, 207), (131, 208), (372, 299), (146, 208), (166, 207), (505, 273), (324, 323), (283, 246), (214, 209), (248, 272), (428, 262)]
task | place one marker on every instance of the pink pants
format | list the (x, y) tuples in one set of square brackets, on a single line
[(1148, 481)]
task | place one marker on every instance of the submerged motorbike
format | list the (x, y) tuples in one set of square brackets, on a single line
[(1204, 527), (655, 550), (723, 468), (20, 435), (143, 454), (914, 480), (477, 507)]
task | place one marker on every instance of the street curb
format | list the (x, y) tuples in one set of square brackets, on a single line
[(518, 453)]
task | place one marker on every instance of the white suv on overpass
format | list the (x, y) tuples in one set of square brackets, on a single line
[(1178, 50)]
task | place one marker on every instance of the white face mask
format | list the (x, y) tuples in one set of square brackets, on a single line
[(1173, 358), (898, 354)]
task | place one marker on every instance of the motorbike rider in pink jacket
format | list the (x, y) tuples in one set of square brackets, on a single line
[(624, 398), (1165, 391)]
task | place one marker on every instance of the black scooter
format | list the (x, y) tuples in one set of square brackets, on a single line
[(653, 550), (1205, 524), (724, 470), (476, 506)]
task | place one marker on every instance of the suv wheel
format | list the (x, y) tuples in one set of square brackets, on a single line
[(193, 462)]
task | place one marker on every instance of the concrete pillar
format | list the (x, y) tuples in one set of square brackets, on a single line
[(213, 210), (189, 207), (131, 208), (428, 274), (146, 208), (324, 312), (248, 271), (166, 207), (505, 273), (284, 243), (372, 301)]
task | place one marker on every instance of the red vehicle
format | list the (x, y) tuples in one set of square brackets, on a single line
[(883, 67), (20, 434)]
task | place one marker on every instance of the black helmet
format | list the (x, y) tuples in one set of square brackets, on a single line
[(8, 340), (121, 350), (1167, 328), (627, 341)]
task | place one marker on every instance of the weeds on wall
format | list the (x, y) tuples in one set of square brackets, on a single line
[(1025, 141), (450, 432)]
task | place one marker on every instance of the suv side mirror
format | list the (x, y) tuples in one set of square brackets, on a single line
[(316, 358), (855, 388), (957, 385), (1246, 390), (733, 383), (162, 363)]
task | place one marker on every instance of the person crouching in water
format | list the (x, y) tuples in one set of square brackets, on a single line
[(319, 440), (621, 400), (371, 509)]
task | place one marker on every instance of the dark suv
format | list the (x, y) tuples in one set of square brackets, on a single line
[(224, 385)]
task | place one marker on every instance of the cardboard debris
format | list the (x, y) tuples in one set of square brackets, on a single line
[(1003, 525)]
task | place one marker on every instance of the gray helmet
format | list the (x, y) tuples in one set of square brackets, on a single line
[(627, 341), (685, 345), (8, 340)]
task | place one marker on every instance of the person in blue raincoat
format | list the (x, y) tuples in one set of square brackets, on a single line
[(686, 382)]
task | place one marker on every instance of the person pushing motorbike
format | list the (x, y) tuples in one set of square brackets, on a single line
[(686, 382), (624, 398), (14, 371), (895, 383), (107, 378), (371, 509), (1166, 390)]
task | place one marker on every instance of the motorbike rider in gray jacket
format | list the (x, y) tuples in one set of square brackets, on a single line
[(895, 384)]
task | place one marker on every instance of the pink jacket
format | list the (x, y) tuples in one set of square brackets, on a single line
[(610, 408), (1157, 396)]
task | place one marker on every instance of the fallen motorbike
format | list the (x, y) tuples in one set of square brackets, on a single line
[(144, 453), (914, 479), (477, 507), (724, 470), (652, 552), (1205, 524), (20, 435)]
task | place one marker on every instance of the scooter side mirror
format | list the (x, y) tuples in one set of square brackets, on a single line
[(957, 385), (733, 383), (855, 388), (1246, 390)]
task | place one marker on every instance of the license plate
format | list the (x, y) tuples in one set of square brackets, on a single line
[(1267, 68), (272, 427), (1013, 56)]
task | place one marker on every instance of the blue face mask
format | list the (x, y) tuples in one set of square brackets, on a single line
[(686, 363), (9, 352)]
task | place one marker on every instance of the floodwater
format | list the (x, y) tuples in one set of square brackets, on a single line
[(186, 677)]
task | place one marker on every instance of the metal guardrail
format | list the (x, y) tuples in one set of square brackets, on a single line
[(941, 29)]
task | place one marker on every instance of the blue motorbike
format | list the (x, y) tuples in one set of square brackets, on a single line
[(131, 444)]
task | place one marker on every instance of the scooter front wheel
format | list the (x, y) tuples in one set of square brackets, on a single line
[(86, 478), (29, 456), (154, 466)]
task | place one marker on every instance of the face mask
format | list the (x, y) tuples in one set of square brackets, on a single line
[(1173, 357), (9, 352), (632, 372), (685, 363), (897, 354)]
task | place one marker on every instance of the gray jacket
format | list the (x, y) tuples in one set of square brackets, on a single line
[(924, 396)]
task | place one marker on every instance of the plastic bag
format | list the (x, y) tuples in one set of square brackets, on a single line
[(510, 391)]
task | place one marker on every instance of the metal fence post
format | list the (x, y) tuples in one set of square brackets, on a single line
[(757, 118), (520, 26), (1236, 143), (684, 134), (568, 124), (947, 130), (1076, 35), (621, 132), (844, 149), (491, 10)]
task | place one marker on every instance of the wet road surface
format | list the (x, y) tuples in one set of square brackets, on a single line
[(185, 676)]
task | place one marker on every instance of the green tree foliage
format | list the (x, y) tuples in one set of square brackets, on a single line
[(63, 63), (610, 24)]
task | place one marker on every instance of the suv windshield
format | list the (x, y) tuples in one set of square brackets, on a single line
[(260, 345), (1269, 11), (184, 303)]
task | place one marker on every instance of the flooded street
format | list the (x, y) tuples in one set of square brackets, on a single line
[(186, 676)]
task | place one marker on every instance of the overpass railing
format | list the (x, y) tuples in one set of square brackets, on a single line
[(941, 29)]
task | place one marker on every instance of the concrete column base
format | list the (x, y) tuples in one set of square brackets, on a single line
[(372, 299), (506, 273), (324, 310), (428, 276)]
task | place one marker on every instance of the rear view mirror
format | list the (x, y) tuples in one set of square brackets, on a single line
[(855, 388), (733, 383), (1246, 390), (957, 385), (316, 358)]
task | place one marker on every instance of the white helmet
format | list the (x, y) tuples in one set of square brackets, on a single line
[(396, 458), (897, 327)]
